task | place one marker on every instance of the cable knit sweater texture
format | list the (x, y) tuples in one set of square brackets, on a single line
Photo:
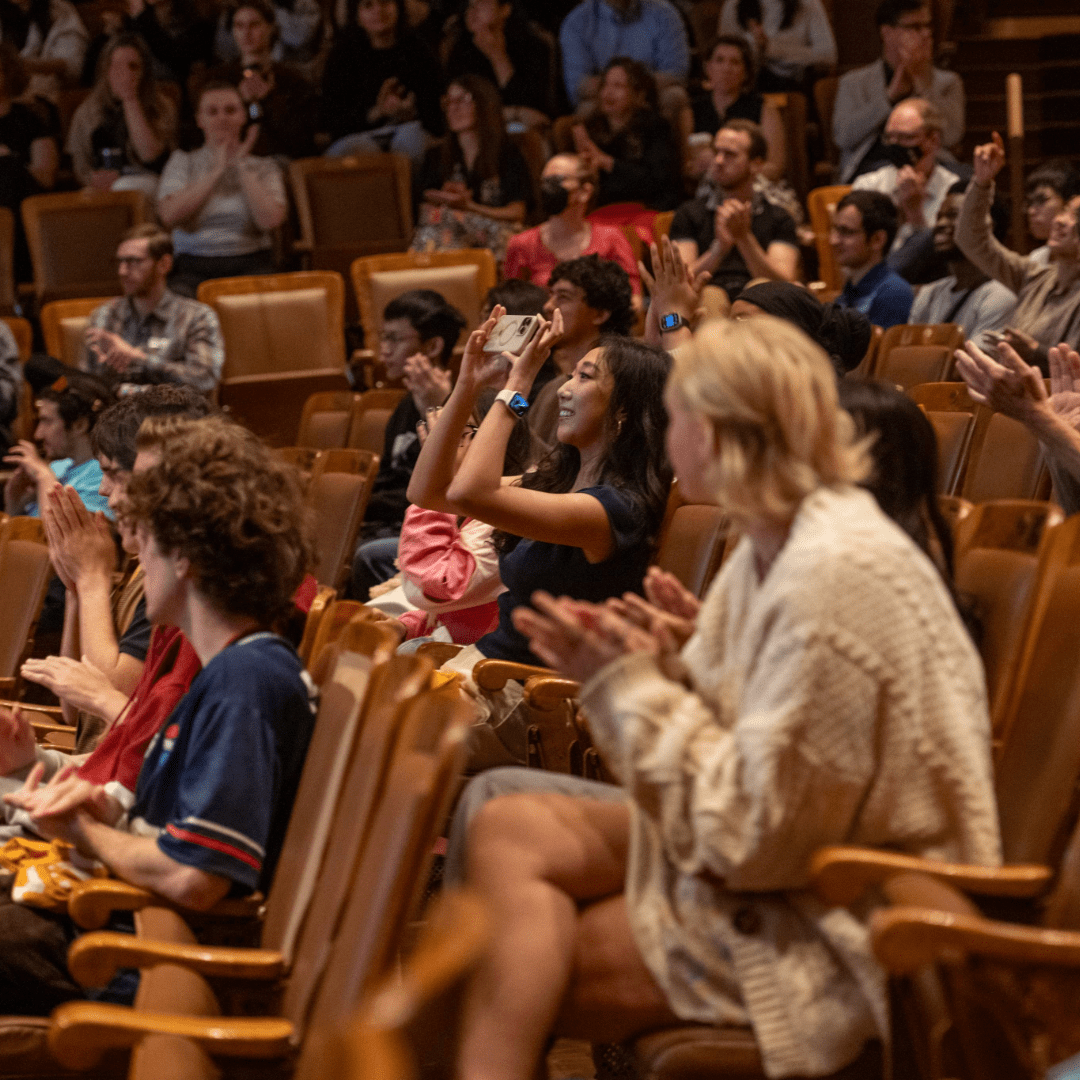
[(838, 701)]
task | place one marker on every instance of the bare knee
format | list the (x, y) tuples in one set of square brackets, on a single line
[(506, 836)]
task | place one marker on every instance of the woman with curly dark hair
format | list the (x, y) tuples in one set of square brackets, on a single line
[(476, 186), (628, 143), (584, 523)]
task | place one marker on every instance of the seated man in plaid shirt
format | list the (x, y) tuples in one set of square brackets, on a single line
[(151, 335)]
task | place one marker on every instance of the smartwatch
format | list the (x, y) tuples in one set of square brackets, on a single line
[(515, 402), (672, 321)]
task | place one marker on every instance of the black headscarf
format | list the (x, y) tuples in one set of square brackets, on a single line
[(842, 332)]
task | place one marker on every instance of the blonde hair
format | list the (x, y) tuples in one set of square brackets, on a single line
[(769, 394)]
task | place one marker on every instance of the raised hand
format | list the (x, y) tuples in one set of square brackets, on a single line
[(478, 368), (1065, 384), (673, 286), (81, 544), (428, 384), (735, 218), (524, 368), (77, 682), (989, 160)]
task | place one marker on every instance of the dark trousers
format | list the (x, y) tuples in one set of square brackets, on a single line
[(190, 271)]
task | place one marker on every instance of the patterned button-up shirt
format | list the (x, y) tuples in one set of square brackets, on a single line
[(181, 340)]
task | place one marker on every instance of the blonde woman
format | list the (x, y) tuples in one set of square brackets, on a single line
[(828, 693)]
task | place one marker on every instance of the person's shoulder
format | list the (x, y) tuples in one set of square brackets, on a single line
[(660, 9), (575, 16), (695, 207), (256, 666), (897, 284), (528, 240), (943, 79), (858, 76), (881, 179)]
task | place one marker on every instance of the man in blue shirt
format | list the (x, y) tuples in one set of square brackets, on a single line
[(597, 31), (67, 412), (862, 232), (223, 545)]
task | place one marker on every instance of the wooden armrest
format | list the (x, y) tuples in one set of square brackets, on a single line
[(362, 356), (495, 674), (92, 903), (300, 244), (905, 939), (271, 377), (841, 875), (55, 711), (548, 692), (63, 740), (94, 958), (81, 1031)]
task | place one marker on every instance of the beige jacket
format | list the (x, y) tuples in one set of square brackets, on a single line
[(838, 701)]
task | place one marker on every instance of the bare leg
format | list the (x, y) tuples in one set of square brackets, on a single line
[(533, 859)]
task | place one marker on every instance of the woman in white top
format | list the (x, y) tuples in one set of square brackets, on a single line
[(789, 37), (220, 201), (51, 39), (825, 692)]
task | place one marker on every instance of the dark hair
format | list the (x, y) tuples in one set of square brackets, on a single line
[(889, 11), (77, 396), (734, 41), (635, 460), (15, 78), (606, 286), (1059, 175), (400, 29), (747, 10), (518, 297), (430, 316), (905, 456), (115, 433), (219, 498), (264, 8), (843, 333), (159, 242), (490, 128), (878, 214), (759, 148)]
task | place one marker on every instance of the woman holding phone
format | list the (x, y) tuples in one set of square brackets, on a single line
[(584, 522)]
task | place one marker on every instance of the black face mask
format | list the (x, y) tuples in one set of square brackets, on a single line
[(553, 196)]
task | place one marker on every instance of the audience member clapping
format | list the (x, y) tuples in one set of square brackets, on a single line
[(494, 40), (729, 94), (278, 98), (789, 36), (220, 200), (567, 188), (476, 186), (966, 296), (121, 135), (861, 234), (1014, 388), (1047, 191), (597, 31), (381, 85), (866, 96), (809, 682), (1048, 296), (733, 233), (583, 522), (626, 143), (916, 181)]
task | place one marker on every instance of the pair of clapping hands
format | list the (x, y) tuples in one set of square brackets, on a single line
[(55, 809), (1009, 385), (578, 638)]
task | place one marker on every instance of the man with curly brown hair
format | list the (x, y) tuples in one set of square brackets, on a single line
[(224, 545)]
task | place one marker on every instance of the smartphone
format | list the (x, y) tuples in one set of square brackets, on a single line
[(512, 333)]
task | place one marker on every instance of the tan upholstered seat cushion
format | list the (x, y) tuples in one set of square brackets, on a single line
[(73, 330), (276, 332), (909, 365), (459, 285)]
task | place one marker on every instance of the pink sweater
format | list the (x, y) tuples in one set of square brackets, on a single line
[(527, 256), (450, 574)]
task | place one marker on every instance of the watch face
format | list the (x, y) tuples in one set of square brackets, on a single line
[(518, 404), (670, 322)]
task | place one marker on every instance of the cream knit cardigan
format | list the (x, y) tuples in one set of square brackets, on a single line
[(838, 701)]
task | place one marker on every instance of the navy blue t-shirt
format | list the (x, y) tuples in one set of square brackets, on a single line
[(564, 571), (220, 776)]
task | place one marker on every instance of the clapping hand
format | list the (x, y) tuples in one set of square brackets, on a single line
[(428, 384), (111, 349), (670, 604), (80, 543), (56, 809), (578, 639), (1065, 384), (1007, 385), (17, 742), (591, 154), (733, 220), (25, 457)]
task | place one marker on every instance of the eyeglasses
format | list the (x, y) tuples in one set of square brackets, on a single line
[(133, 260), (388, 338), (845, 230), (919, 27), (450, 100)]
